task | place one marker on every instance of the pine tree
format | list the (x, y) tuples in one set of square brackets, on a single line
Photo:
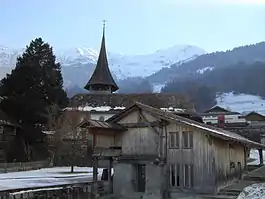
[(35, 84)]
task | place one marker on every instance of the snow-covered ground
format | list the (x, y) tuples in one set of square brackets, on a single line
[(254, 191), (241, 102), (45, 177)]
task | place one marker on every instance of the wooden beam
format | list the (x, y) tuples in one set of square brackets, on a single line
[(141, 124), (148, 122)]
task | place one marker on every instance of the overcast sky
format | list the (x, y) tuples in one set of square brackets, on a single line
[(133, 26)]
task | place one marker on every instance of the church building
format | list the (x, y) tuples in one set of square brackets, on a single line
[(102, 101)]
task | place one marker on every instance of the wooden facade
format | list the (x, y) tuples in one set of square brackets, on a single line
[(184, 154)]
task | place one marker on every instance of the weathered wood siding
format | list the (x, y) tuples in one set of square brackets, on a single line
[(211, 159), (104, 141), (138, 141), (229, 157)]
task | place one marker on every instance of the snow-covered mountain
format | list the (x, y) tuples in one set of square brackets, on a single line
[(123, 66)]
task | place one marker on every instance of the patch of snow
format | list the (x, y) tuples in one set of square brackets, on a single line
[(254, 154), (254, 191), (241, 102), (171, 109), (205, 69), (46, 177), (123, 66), (157, 88), (35, 190)]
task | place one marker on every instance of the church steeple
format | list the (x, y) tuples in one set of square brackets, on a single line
[(101, 80)]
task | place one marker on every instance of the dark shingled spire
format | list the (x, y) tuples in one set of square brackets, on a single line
[(102, 79)]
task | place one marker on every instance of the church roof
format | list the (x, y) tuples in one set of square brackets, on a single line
[(158, 100), (102, 74)]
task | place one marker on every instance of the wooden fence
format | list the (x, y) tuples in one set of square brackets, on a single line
[(23, 166)]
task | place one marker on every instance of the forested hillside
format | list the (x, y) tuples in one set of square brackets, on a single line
[(246, 54), (240, 77)]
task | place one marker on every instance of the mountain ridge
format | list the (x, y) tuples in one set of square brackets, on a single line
[(79, 63)]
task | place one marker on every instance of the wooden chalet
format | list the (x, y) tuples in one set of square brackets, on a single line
[(157, 153), (254, 117)]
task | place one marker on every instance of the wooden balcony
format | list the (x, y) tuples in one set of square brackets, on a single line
[(107, 152)]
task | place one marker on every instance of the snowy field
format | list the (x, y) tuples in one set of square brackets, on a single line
[(241, 102), (46, 177)]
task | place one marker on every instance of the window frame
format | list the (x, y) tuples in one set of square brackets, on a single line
[(189, 140), (177, 175), (190, 173), (176, 136)]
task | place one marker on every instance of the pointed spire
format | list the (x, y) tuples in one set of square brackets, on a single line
[(102, 79)]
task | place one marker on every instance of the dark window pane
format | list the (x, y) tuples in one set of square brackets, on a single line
[(185, 139), (178, 174), (173, 175), (177, 139), (191, 140), (172, 140)]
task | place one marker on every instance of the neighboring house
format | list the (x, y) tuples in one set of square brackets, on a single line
[(154, 151), (254, 117), (102, 102), (223, 117), (8, 130)]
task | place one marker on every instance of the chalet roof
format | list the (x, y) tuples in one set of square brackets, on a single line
[(102, 74), (245, 114), (100, 124), (214, 131), (115, 100), (216, 109)]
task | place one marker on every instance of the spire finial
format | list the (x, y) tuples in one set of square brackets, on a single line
[(104, 25)]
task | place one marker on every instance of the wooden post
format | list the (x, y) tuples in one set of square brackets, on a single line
[(245, 159), (109, 175), (260, 157), (95, 178)]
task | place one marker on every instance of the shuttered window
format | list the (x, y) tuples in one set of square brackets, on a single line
[(187, 140), (174, 139), (175, 175), (188, 176)]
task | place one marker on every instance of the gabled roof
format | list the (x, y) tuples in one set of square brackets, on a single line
[(102, 74), (217, 109), (100, 124), (245, 114), (216, 132)]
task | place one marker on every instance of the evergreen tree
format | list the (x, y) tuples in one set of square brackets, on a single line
[(35, 84)]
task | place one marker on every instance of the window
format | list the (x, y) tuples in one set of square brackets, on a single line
[(174, 175), (174, 139), (188, 175), (187, 138)]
